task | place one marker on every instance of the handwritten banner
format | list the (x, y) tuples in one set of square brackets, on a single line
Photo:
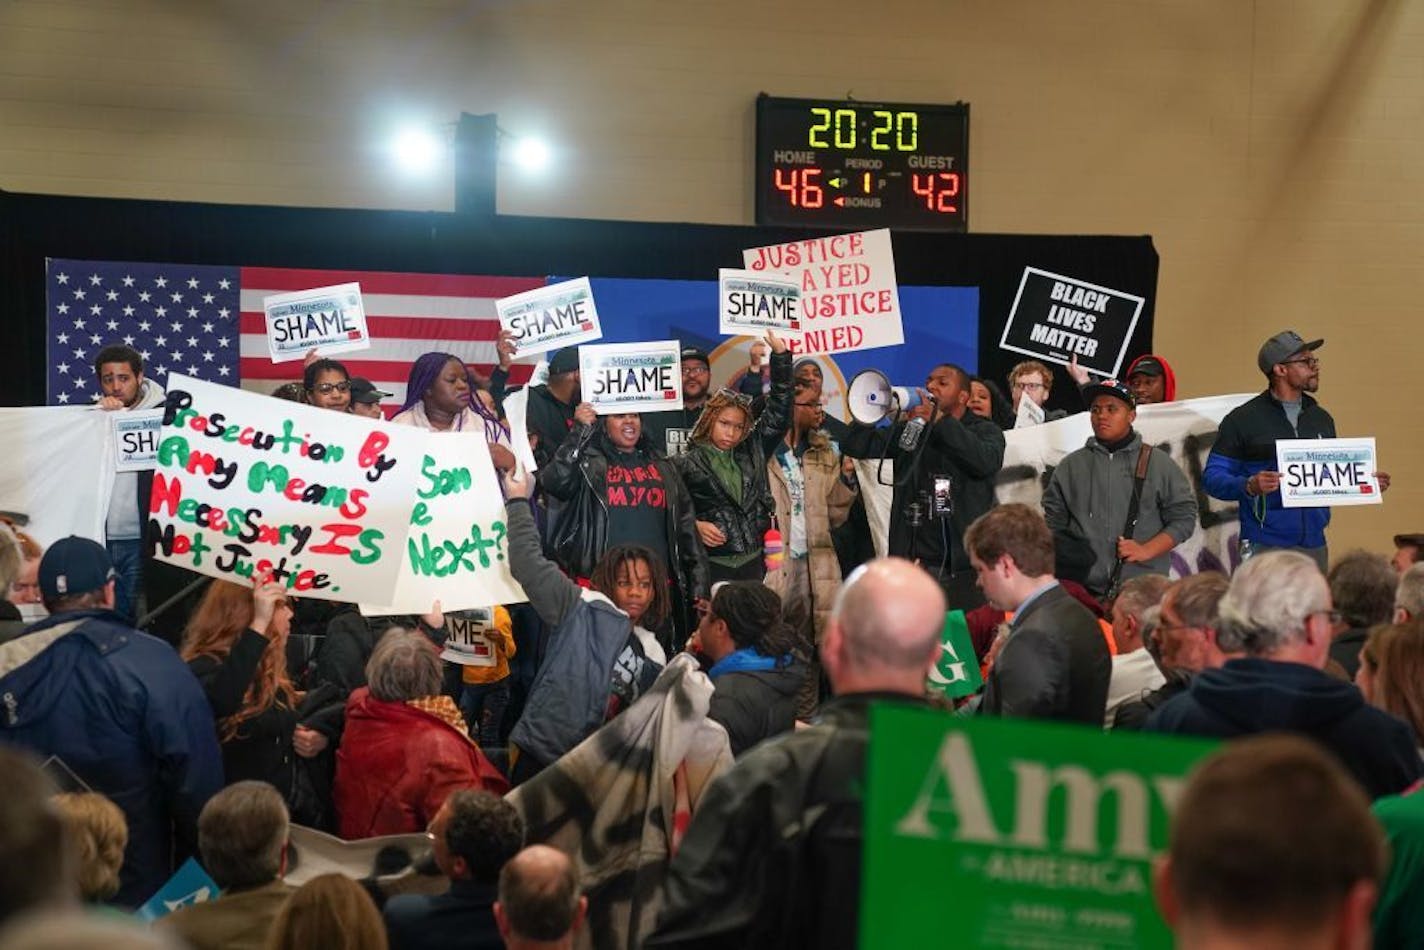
[(632, 377), (40, 478), (1057, 318), (246, 485), (1327, 472), (550, 318), (135, 436), (454, 551), (849, 298), (332, 319), (751, 303)]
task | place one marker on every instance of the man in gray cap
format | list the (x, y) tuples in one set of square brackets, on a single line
[(1242, 466)]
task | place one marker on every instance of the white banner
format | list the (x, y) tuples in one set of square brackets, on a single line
[(332, 319), (1319, 473), (58, 471), (550, 318), (455, 550), (849, 298), (1186, 430), (631, 377)]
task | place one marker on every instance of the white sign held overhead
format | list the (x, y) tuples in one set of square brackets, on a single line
[(752, 303), (329, 319), (632, 377), (550, 318)]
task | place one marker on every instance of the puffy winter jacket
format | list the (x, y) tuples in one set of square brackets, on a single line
[(753, 705)]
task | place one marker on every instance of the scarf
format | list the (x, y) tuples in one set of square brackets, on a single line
[(745, 660), (444, 709)]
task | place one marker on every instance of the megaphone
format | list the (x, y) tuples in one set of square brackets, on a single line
[(872, 398)]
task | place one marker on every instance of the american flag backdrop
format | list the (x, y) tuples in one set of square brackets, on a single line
[(216, 330)]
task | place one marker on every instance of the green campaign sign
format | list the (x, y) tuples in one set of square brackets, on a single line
[(1000, 833), (956, 672)]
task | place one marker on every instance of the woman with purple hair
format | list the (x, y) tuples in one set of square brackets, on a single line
[(440, 395)]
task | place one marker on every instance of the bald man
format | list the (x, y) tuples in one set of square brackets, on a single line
[(539, 906), (772, 858)]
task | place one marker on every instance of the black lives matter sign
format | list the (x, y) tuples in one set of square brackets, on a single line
[(1056, 318)]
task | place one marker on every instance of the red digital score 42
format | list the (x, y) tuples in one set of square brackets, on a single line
[(864, 165)]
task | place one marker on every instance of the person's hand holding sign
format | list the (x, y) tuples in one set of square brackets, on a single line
[(1077, 373), (585, 414), (1263, 483), (517, 484), (267, 597), (777, 344), (505, 347), (1383, 479), (110, 403)]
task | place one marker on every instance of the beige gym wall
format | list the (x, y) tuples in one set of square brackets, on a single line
[(1273, 149)]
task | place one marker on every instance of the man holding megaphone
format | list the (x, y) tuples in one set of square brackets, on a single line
[(945, 460)]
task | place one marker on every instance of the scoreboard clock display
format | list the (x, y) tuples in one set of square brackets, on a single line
[(846, 164)]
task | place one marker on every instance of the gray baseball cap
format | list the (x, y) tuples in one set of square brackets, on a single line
[(1282, 347)]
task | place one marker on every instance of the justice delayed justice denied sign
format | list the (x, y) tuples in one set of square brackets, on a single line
[(996, 833)]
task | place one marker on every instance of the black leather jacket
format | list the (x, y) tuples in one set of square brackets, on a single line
[(746, 523), (580, 467)]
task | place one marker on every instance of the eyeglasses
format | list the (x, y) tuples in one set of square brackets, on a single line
[(1029, 387), (1312, 362), (696, 369), (810, 405), (326, 389)]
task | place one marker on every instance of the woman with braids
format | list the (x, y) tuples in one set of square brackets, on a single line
[(756, 663), (236, 646), (440, 395), (602, 654), (725, 471)]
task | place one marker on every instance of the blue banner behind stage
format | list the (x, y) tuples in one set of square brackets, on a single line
[(941, 326)]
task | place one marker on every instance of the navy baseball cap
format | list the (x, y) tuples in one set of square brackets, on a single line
[(74, 565), (564, 361), (1108, 387)]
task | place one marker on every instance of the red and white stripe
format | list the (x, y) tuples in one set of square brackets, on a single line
[(406, 314)]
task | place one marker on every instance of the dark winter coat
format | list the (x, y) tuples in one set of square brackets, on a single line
[(753, 705)]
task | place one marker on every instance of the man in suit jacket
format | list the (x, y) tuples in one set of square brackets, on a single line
[(242, 836), (1054, 663)]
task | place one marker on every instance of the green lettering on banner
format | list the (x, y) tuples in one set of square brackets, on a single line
[(956, 673), (996, 833)]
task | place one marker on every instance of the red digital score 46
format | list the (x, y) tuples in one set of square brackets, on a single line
[(801, 186)]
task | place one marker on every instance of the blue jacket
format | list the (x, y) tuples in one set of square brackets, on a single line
[(123, 713), (461, 917), (1245, 445)]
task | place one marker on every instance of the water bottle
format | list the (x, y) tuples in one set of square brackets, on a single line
[(910, 435)]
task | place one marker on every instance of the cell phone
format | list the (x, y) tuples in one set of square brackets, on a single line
[(943, 503)]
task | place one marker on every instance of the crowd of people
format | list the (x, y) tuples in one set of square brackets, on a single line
[(728, 537)]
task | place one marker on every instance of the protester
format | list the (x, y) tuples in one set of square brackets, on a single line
[(1053, 663), (618, 490), (813, 498), (290, 392), (12, 564), (1271, 845), (725, 471), (405, 747), (550, 412), (34, 870), (772, 857), (473, 836), (351, 638), (1125, 498), (327, 385), (242, 835), (1241, 467), (1408, 551), (1188, 640), (1409, 595), (24, 589), (539, 906), (117, 706), (1362, 587), (235, 645), (439, 397), (366, 398), (601, 656), (1034, 380), (755, 665), (329, 911), (1279, 608), (97, 834), (959, 454), (1151, 380), (668, 431), (119, 369), (1134, 671), (988, 401), (1391, 674)]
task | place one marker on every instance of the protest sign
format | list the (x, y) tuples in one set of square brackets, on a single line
[(135, 436), (58, 471), (1056, 318), (470, 637), (454, 552), (956, 672), (1029, 413), (242, 487), (997, 833), (516, 413), (849, 298), (752, 303), (632, 377), (315, 853), (189, 885), (331, 319), (1327, 472), (677, 439), (550, 318), (1185, 430)]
